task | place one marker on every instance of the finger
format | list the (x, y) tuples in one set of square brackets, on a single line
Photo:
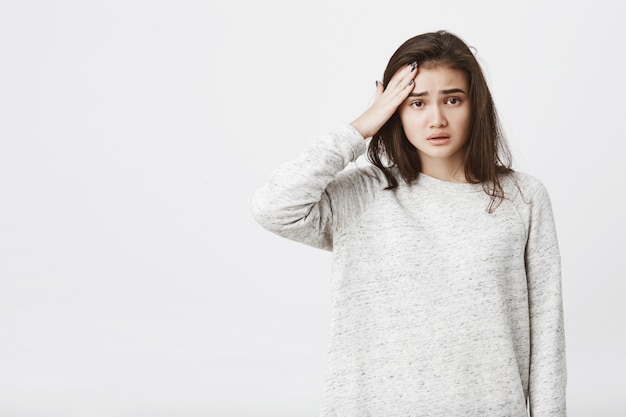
[(401, 86), (412, 74), (414, 70), (379, 88), (402, 79), (398, 78)]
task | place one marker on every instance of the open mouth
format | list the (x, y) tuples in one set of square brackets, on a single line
[(439, 136), (439, 139)]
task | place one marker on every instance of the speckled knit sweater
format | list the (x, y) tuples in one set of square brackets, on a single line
[(439, 308)]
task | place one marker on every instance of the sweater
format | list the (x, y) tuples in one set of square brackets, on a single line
[(439, 308)]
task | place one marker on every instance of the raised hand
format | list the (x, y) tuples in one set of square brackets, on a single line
[(386, 101)]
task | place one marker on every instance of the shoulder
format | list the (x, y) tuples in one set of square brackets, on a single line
[(529, 196), (353, 192), (523, 185)]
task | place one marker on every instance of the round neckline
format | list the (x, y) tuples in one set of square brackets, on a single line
[(432, 182)]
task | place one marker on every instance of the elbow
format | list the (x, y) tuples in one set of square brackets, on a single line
[(267, 213), (262, 211)]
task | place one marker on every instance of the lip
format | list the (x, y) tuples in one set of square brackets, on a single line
[(438, 139), (438, 136)]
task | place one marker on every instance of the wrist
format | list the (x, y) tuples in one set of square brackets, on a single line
[(358, 126)]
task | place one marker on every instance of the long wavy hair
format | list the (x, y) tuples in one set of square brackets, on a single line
[(487, 155)]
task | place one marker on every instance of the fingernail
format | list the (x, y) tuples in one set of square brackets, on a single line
[(376, 83), (413, 66), (411, 82)]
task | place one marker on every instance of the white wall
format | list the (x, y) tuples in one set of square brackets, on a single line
[(133, 279)]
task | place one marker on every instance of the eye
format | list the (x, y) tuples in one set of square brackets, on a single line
[(417, 104), (453, 100)]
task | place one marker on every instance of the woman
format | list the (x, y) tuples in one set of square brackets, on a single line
[(446, 269)]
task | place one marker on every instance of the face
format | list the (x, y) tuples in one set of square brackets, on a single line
[(436, 116)]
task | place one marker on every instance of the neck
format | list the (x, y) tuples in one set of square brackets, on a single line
[(444, 170)]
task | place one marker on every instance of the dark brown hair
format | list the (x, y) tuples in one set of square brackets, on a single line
[(486, 153)]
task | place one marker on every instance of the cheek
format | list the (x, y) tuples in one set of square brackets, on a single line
[(408, 128), (467, 124), (403, 119), (468, 118), (409, 120), (463, 121)]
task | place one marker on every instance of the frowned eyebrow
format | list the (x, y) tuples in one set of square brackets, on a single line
[(449, 91)]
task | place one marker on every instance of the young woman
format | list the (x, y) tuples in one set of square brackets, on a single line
[(446, 269)]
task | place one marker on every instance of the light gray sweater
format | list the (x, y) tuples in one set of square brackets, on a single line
[(439, 308)]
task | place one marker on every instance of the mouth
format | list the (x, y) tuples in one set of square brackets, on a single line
[(438, 138)]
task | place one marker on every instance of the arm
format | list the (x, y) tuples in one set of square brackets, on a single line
[(294, 202), (548, 375), (298, 202)]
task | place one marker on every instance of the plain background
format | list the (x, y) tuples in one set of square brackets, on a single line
[(133, 279)]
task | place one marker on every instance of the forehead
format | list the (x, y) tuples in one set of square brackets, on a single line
[(433, 79)]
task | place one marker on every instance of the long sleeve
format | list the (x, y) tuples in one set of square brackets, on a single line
[(296, 202), (548, 376)]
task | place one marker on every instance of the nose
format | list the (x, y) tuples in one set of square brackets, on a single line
[(437, 117)]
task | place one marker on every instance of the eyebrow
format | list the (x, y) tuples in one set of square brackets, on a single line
[(450, 91)]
